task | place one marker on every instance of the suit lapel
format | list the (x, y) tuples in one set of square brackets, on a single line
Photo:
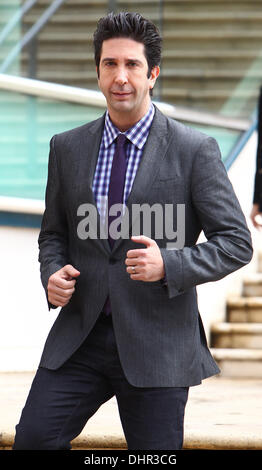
[(89, 148), (88, 154)]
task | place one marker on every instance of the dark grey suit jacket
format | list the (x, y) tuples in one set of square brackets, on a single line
[(159, 333)]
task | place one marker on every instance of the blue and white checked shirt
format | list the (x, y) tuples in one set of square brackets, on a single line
[(137, 136)]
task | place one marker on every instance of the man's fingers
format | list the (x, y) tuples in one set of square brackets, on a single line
[(132, 261), (143, 239), (254, 213), (135, 253), (70, 271), (64, 278), (256, 223), (57, 300), (137, 277), (55, 290), (145, 264), (140, 251), (62, 283)]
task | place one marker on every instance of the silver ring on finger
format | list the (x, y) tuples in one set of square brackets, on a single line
[(133, 269)]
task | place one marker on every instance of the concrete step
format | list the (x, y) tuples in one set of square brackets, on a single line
[(252, 285), (182, 3), (181, 65), (208, 47), (231, 409), (199, 17), (259, 263), (236, 335), (239, 363), (222, 83), (175, 5), (183, 34), (213, 5), (86, 56), (244, 309)]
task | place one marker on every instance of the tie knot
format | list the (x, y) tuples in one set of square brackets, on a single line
[(121, 139)]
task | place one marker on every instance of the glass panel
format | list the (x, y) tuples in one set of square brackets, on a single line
[(226, 138), (212, 55), (8, 40), (26, 127), (211, 60)]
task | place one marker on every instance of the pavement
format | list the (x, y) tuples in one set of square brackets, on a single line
[(221, 413)]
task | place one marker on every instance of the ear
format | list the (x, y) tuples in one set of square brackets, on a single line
[(153, 76)]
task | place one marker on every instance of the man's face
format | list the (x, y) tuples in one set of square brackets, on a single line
[(123, 76)]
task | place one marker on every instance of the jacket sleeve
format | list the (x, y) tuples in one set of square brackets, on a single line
[(228, 246), (52, 239)]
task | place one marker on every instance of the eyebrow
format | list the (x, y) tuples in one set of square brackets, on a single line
[(128, 60)]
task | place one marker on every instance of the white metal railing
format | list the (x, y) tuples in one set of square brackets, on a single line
[(82, 96), (22, 206), (94, 98)]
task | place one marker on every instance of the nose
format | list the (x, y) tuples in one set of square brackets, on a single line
[(121, 77)]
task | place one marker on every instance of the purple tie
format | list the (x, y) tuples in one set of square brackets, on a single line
[(116, 190), (117, 179)]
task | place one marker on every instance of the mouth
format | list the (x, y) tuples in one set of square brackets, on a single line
[(121, 94)]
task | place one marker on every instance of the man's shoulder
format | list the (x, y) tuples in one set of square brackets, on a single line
[(185, 142), (181, 132)]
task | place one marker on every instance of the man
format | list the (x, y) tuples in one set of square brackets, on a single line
[(129, 325), (257, 196)]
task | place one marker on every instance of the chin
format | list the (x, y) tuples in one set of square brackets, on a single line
[(122, 106)]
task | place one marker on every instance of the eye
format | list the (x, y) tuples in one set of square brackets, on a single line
[(132, 64)]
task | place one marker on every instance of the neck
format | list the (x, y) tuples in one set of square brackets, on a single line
[(124, 120)]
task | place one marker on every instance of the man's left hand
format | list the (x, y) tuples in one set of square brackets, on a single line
[(145, 264)]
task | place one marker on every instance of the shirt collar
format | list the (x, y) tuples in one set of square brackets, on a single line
[(137, 134)]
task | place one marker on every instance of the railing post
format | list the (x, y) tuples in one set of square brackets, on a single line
[(112, 6), (161, 21), (16, 18), (31, 33), (32, 53)]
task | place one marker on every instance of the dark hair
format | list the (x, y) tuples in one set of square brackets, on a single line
[(132, 26)]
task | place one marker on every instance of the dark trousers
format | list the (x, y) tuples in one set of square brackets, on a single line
[(61, 401)]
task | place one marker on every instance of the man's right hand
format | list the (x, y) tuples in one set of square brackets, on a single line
[(254, 212), (61, 285)]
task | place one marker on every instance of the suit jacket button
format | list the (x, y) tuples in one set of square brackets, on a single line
[(112, 260)]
